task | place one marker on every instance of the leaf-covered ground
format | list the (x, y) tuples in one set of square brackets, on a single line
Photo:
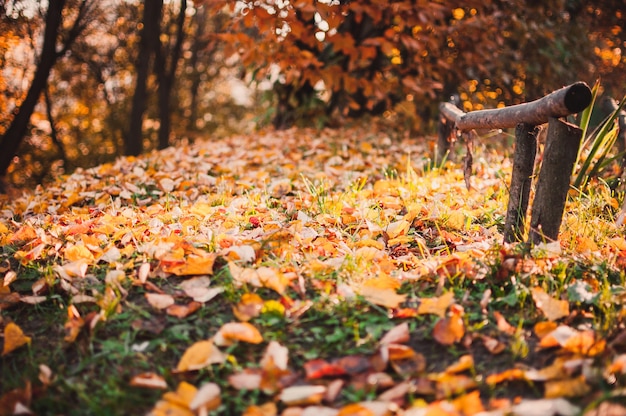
[(300, 273)]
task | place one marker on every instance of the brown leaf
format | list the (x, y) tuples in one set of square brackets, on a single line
[(396, 335), (575, 387)]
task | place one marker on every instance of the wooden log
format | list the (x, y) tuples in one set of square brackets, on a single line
[(519, 191), (561, 149), (560, 103)]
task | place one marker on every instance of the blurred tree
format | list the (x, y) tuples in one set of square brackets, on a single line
[(148, 45), (166, 72), (50, 53)]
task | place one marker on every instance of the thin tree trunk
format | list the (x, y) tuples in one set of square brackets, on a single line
[(14, 135), (147, 46), (519, 191), (198, 44), (166, 76), (54, 135), (562, 143)]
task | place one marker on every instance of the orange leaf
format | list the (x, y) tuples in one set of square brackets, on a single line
[(237, 331), (451, 329), (73, 325), (436, 306), (503, 325), (148, 380), (13, 338), (552, 308), (200, 355), (575, 387), (183, 311), (544, 328), (193, 265), (249, 307)]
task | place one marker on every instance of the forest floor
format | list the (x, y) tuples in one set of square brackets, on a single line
[(332, 272)]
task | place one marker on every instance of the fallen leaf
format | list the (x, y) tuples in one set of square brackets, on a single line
[(545, 407), (237, 331), (399, 334), (183, 311), (248, 379), (148, 380), (208, 397), (503, 324), (192, 265), (437, 305), (450, 330), (73, 325), (249, 306), (200, 355), (159, 300), (302, 395), (383, 297), (13, 338), (552, 308)]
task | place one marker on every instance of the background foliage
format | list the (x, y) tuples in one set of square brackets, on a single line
[(250, 63)]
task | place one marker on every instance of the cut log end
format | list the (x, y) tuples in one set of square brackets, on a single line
[(578, 97)]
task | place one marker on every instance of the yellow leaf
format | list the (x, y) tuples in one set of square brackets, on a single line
[(552, 308), (436, 306), (13, 338), (237, 331), (200, 355), (456, 220), (78, 252)]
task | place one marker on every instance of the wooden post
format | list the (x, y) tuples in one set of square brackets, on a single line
[(562, 143), (519, 191)]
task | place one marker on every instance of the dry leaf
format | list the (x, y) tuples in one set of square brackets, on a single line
[(249, 307), (237, 331), (208, 397), (183, 311), (193, 265), (451, 329), (383, 297), (13, 338), (397, 335), (148, 380), (200, 355), (503, 324), (437, 306), (552, 308), (159, 300), (302, 395)]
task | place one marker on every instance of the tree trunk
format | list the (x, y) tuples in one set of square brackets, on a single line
[(199, 43), (562, 143), (519, 191), (147, 45), (15, 133), (166, 77)]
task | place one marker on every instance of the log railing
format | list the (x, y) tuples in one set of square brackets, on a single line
[(561, 149)]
